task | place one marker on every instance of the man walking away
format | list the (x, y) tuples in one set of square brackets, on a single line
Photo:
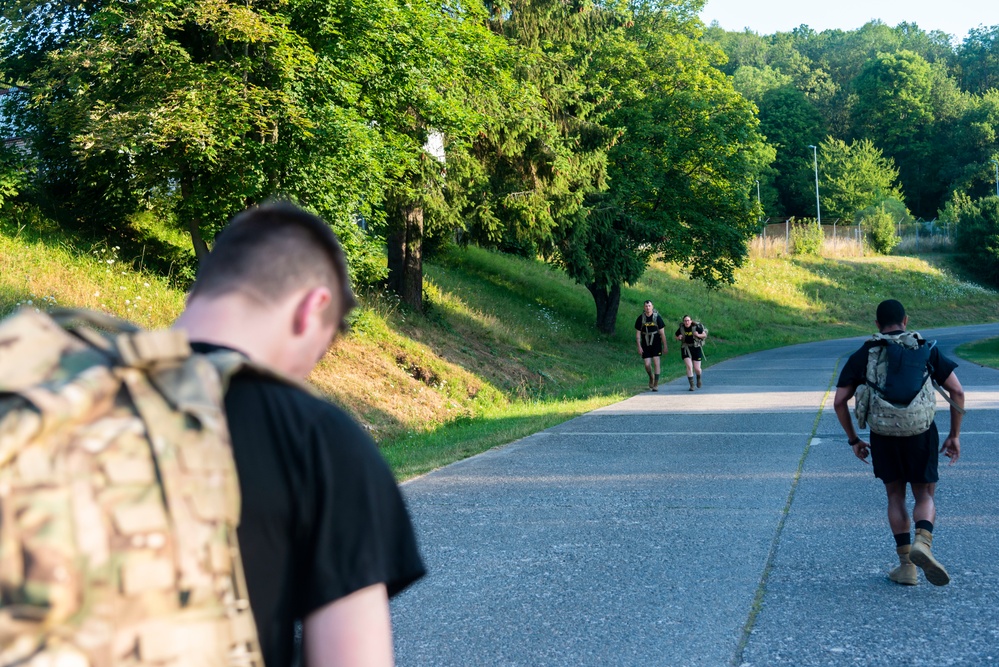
[(650, 337), (894, 376)]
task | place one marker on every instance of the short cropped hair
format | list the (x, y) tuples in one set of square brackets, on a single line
[(647, 303), (269, 251), (890, 312)]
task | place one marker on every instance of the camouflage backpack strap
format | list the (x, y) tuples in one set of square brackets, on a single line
[(650, 338), (201, 487)]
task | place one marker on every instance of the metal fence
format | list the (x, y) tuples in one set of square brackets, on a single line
[(917, 236)]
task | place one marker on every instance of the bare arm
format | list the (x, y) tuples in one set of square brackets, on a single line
[(355, 631), (952, 445), (662, 334), (841, 404), (638, 340)]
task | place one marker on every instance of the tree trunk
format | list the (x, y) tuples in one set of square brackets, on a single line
[(194, 224), (607, 303), (405, 252)]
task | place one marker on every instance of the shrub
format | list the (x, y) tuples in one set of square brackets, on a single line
[(807, 239), (978, 237), (880, 227)]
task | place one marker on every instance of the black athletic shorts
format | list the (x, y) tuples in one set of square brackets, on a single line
[(693, 353), (912, 459), (654, 350)]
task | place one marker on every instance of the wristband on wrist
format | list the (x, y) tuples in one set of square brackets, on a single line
[(854, 440)]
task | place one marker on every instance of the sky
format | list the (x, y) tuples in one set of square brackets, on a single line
[(766, 17)]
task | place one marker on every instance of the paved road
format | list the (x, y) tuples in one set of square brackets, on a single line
[(728, 526)]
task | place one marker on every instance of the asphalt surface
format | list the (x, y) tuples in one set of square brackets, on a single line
[(727, 526)]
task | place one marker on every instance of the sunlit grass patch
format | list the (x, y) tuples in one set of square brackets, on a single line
[(982, 352)]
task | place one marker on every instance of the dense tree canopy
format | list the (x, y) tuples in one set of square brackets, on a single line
[(922, 101), (595, 134)]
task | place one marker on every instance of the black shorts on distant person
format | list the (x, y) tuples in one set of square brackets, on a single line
[(654, 350), (911, 459), (692, 353)]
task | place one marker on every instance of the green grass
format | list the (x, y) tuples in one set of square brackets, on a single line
[(41, 266), (507, 346), (982, 352)]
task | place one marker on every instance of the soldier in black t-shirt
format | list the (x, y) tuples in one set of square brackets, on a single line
[(324, 532), (910, 460), (691, 335), (650, 337)]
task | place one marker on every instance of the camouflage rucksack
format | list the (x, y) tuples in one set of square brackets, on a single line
[(899, 397), (119, 499), (699, 328)]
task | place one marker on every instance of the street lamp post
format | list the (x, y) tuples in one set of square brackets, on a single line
[(758, 198), (996, 163), (815, 161)]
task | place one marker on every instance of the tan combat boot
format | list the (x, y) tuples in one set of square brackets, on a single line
[(906, 573), (922, 556)]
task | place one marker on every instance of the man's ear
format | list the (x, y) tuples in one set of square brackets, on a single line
[(312, 309)]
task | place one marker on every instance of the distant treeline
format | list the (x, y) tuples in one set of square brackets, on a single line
[(930, 107)]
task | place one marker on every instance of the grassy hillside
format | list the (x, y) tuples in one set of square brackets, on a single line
[(507, 345)]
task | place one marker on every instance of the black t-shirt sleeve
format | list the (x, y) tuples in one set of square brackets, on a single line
[(638, 323), (659, 323), (361, 532), (854, 371), (942, 366)]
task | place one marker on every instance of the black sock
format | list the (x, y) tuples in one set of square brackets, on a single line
[(901, 539), (925, 525), (657, 377)]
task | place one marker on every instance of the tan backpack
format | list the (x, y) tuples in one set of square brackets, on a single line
[(694, 325), (119, 499), (876, 405)]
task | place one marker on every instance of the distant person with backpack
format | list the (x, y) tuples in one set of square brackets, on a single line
[(133, 533), (691, 335), (895, 376), (650, 337)]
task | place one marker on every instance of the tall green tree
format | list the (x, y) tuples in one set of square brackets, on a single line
[(680, 175), (854, 176), (223, 104), (431, 75), (528, 175), (978, 59), (199, 94), (791, 123), (542, 150), (895, 108)]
